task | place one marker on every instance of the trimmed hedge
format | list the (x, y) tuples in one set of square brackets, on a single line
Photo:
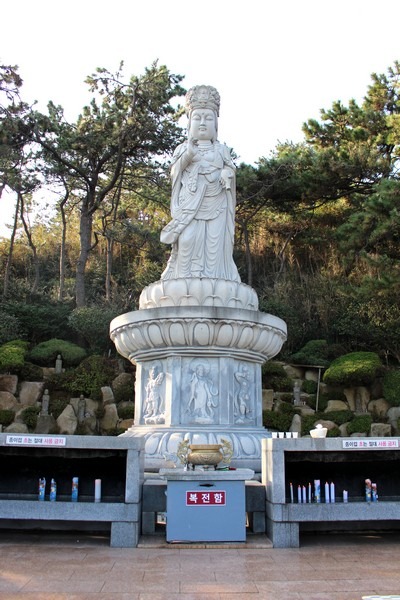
[(46, 353), (354, 369), (275, 377), (391, 387), (12, 356), (360, 424)]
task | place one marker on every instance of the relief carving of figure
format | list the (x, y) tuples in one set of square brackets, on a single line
[(154, 404), (242, 403), (203, 197), (203, 396)]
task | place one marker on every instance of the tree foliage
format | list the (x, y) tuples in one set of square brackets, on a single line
[(317, 230)]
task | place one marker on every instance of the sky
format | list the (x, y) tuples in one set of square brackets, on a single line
[(275, 63)]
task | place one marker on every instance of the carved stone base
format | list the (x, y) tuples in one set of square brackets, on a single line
[(198, 347), (162, 443)]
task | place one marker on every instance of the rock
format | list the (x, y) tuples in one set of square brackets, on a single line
[(379, 407), (46, 424), (123, 380), (8, 383), (8, 401), (376, 388), (48, 372), (108, 395), (350, 397), (381, 430), (336, 405), (305, 410), (126, 423), (294, 372), (267, 399), (91, 406), (311, 375), (31, 392), (343, 430), (110, 419), (393, 415), (296, 424), (67, 422), (16, 428), (357, 398), (89, 425)]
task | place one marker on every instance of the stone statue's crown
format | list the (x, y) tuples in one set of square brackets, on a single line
[(202, 96)]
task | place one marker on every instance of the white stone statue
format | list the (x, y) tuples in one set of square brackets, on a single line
[(154, 404), (243, 396), (203, 395), (203, 197)]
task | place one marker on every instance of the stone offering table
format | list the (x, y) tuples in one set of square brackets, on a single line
[(206, 506), (117, 461), (346, 462)]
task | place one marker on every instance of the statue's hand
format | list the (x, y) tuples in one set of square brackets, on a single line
[(226, 178), (191, 149)]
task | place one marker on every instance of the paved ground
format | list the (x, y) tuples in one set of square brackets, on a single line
[(73, 567)]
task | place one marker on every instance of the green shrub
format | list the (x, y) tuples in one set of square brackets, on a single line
[(274, 377), (92, 374), (339, 416), (127, 411), (286, 408), (322, 402), (309, 386), (316, 352), (277, 420), (356, 368), (46, 353), (391, 387), (58, 402), (6, 417), (124, 392), (360, 424), (9, 327), (93, 323), (30, 372), (12, 356), (29, 416), (116, 431), (334, 432), (41, 321)]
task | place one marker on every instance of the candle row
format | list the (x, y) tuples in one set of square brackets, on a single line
[(305, 495), (74, 491)]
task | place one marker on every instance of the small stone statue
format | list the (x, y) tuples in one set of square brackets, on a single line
[(45, 403), (59, 364), (203, 197), (296, 393)]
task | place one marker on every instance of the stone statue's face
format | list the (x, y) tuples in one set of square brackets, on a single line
[(203, 124)]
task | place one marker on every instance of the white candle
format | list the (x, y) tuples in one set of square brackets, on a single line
[(291, 493), (327, 493), (299, 494), (317, 490), (97, 490), (332, 492), (345, 496), (304, 494)]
